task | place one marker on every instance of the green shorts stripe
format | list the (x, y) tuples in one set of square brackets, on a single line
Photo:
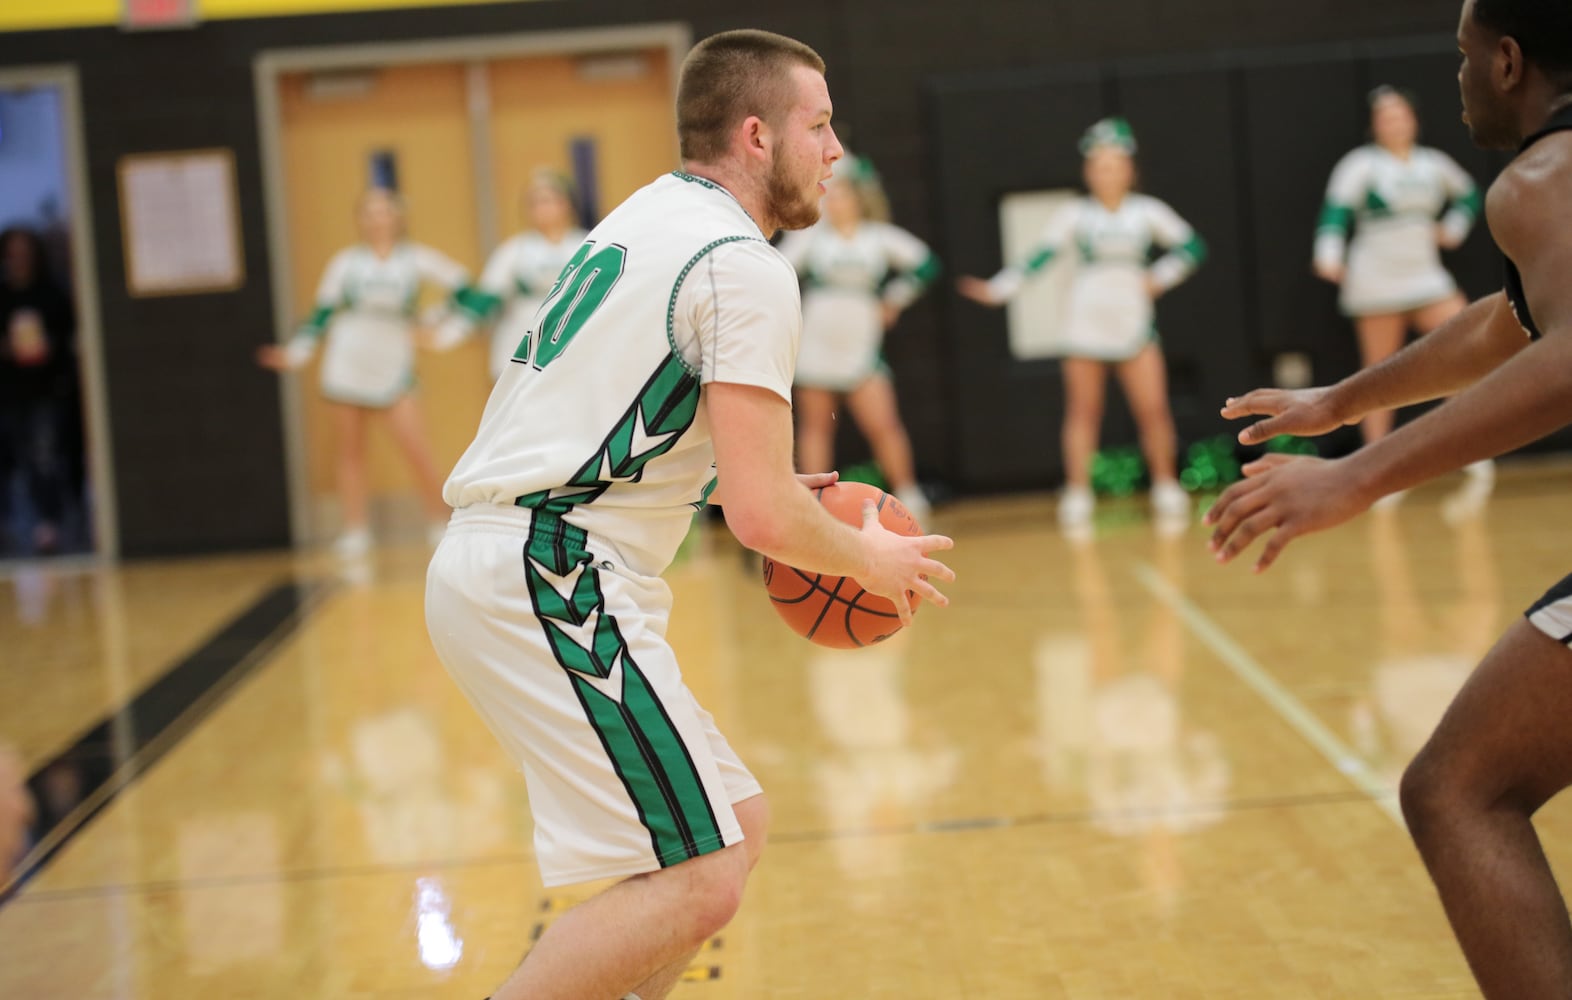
[(643, 744)]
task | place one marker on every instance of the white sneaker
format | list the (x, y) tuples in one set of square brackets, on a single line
[(916, 503), (1076, 505), (1390, 501), (353, 544), (1469, 500), (1169, 501), (1482, 471)]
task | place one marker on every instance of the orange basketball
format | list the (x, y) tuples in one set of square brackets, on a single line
[(835, 611)]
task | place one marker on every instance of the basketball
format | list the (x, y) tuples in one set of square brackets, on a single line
[(835, 611)]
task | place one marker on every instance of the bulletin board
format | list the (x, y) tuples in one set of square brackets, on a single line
[(180, 221)]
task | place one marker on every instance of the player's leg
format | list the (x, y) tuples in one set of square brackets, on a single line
[(409, 431), (873, 405), (815, 428), (354, 489), (1502, 750), (1380, 337), (633, 932), (754, 815), (1145, 382), (627, 773)]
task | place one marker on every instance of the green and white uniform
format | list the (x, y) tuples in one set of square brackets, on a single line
[(1109, 316), (366, 309), (845, 283), (515, 282), (1393, 206), (545, 600)]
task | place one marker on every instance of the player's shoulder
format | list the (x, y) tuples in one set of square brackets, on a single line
[(1534, 189)]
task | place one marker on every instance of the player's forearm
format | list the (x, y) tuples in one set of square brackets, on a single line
[(790, 527), (1443, 363), (1524, 399)]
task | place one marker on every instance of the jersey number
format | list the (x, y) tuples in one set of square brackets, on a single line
[(581, 288)]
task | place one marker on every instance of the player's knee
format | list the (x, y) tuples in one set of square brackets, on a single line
[(715, 893), (1429, 791), (1418, 794)]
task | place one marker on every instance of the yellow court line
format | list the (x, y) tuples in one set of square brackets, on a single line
[(1256, 677)]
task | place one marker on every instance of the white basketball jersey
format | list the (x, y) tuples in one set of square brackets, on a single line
[(599, 420)]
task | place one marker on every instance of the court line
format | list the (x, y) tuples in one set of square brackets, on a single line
[(1258, 679), (961, 824), (125, 744)]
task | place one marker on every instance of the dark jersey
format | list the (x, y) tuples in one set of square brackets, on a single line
[(1561, 121)]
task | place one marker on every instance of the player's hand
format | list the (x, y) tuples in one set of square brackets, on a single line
[(1446, 239), (818, 480), (1298, 412), (901, 564), (889, 312), (1330, 272), (1154, 290), (1287, 495), (976, 289), (274, 357)]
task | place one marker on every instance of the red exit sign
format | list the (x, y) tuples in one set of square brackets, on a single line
[(157, 13)]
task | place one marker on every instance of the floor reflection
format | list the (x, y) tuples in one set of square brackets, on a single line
[(1426, 648)]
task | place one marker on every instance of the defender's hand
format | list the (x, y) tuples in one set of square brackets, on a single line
[(1286, 495)]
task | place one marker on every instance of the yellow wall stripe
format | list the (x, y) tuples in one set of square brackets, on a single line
[(31, 15), (26, 15)]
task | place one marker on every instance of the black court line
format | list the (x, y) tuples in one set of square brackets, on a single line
[(969, 824), (77, 784)]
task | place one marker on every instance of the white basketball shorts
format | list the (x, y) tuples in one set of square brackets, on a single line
[(564, 655)]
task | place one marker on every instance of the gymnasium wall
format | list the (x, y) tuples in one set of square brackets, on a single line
[(195, 427)]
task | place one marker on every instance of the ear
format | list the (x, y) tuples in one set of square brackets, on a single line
[(1509, 65), (756, 136)]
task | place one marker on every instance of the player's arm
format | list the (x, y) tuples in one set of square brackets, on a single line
[(1474, 342), (772, 513), (1524, 399), (742, 312)]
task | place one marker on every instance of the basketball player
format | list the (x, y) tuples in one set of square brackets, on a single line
[(521, 271), (1109, 323), (1504, 747), (656, 376), (858, 272), (1391, 192), (366, 308)]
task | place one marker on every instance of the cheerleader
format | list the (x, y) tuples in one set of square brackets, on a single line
[(858, 273), (1392, 193), (365, 307), (1109, 320)]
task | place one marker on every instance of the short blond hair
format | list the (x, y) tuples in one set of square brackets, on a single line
[(730, 76)]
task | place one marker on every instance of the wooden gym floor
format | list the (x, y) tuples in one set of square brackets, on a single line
[(1109, 770)]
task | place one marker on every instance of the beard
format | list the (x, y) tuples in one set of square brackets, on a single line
[(793, 204)]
